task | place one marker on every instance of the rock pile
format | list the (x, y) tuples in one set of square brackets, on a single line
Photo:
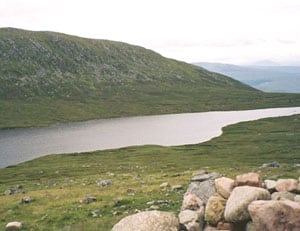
[(213, 202), (245, 203)]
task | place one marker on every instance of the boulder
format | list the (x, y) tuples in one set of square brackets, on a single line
[(165, 185), (177, 187), (250, 226), (26, 200), (214, 210), (205, 176), (287, 185), (212, 228), (276, 196), (10, 192), (19, 186), (88, 199), (297, 198), (250, 179), (240, 198), (204, 187), (191, 202), (192, 220), (281, 215), (270, 185), (15, 225), (273, 164), (104, 183), (224, 186), (225, 226), (199, 172), (148, 221)]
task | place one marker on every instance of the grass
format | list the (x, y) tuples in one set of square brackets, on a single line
[(46, 111), (48, 77), (58, 182)]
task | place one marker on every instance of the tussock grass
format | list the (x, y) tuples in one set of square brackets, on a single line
[(58, 182)]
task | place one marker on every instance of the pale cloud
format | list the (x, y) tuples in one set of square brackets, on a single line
[(193, 30)]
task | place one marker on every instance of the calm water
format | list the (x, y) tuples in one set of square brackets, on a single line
[(19, 145)]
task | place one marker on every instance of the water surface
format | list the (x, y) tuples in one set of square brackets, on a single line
[(19, 145)]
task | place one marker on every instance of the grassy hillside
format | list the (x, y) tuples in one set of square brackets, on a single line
[(47, 77), (58, 182)]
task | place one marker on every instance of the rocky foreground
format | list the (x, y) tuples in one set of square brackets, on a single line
[(213, 202)]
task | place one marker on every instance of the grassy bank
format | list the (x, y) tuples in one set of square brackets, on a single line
[(46, 111), (58, 182)]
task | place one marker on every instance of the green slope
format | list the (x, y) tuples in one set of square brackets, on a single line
[(48, 77), (58, 182)]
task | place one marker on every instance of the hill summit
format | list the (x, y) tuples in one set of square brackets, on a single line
[(70, 78)]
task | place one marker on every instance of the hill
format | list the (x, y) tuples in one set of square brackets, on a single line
[(48, 77), (265, 78)]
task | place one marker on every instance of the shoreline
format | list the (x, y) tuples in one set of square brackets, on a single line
[(218, 131)]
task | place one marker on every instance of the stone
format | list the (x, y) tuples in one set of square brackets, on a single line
[(26, 200), (10, 192), (199, 172), (250, 226), (177, 187), (287, 185), (225, 226), (19, 186), (191, 202), (116, 213), (192, 220), (165, 185), (205, 176), (270, 185), (204, 189), (150, 203), (214, 210), (154, 207), (250, 179), (275, 215), (224, 186), (88, 199), (273, 164), (148, 221), (276, 196), (15, 225), (211, 228), (95, 213), (104, 183), (240, 198), (297, 198)]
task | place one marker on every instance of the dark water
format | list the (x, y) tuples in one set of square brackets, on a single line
[(19, 145)]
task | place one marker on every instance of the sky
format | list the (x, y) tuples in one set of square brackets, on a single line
[(226, 31)]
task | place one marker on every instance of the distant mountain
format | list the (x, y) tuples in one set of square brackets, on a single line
[(265, 78), (48, 77)]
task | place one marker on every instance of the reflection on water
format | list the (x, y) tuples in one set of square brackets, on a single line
[(18, 145)]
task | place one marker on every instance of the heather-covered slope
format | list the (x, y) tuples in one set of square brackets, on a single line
[(47, 77)]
